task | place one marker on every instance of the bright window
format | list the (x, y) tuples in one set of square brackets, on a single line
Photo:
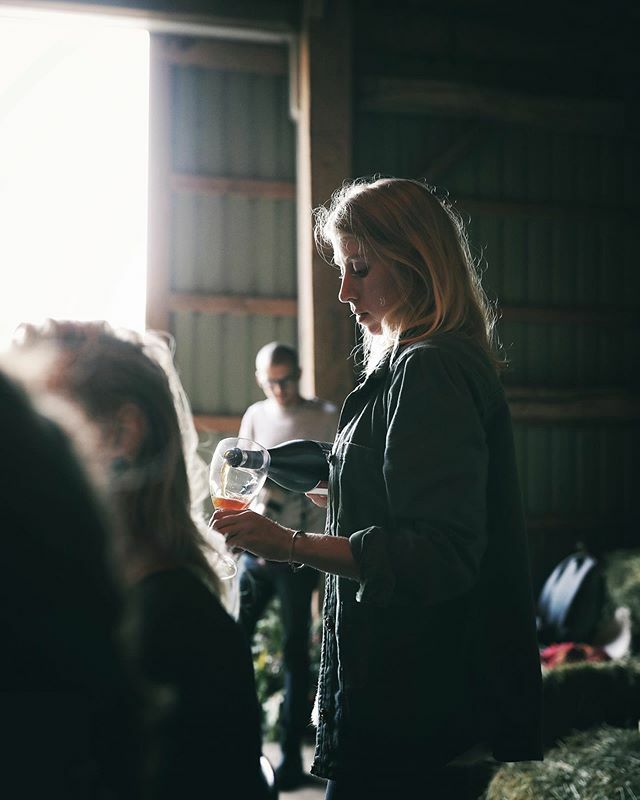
[(73, 171)]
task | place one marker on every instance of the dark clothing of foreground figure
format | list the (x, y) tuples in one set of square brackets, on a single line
[(435, 649), (68, 705), (207, 740)]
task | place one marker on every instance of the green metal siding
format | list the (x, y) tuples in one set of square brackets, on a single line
[(236, 125), (216, 357), (231, 123), (230, 244)]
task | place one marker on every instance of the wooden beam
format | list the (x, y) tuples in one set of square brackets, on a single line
[(232, 56), (570, 315), (238, 305), (316, 9), (535, 404), (230, 423), (578, 522), (546, 210), (216, 184), (158, 249), (527, 405), (441, 163), (218, 423), (325, 332), (417, 96), (573, 44), (246, 20)]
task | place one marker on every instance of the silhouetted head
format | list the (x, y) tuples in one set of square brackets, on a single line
[(127, 386)]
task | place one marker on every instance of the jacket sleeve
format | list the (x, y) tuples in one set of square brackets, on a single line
[(435, 474)]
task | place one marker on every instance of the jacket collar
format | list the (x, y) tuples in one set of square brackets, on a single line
[(377, 374)]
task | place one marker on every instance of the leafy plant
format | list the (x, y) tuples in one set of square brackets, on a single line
[(269, 668)]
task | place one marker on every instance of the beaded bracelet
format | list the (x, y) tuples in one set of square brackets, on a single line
[(295, 566)]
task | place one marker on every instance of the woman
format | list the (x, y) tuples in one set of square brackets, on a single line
[(206, 738), (429, 640)]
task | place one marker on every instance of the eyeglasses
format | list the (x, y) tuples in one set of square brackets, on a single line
[(282, 382)]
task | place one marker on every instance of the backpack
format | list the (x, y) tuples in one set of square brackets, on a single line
[(571, 602)]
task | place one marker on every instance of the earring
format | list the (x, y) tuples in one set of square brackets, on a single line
[(382, 300)]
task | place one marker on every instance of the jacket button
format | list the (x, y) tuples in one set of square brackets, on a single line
[(329, 623)]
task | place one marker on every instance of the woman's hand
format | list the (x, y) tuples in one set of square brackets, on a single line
[(320, 500), (246, 530), (260, 535)]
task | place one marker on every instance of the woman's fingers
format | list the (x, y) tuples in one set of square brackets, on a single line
[(223, 518), (319, 494), (317, 499), (254, 532)]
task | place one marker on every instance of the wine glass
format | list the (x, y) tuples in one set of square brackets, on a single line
[(234, 487)]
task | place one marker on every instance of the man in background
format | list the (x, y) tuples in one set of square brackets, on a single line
[(282, 416)]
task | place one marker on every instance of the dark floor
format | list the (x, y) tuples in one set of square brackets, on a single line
[(313, 791), (466, 783)]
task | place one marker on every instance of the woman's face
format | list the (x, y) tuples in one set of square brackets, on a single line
[(365, 283)]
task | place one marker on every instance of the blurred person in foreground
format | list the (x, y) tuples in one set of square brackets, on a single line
[(429, 645), (70, 707), (283, 415), (205, 740)]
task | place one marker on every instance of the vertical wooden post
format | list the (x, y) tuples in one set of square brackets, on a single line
[(158, 250), (326, 334)]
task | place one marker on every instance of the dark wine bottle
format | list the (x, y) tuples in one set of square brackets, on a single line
[(298, 465)]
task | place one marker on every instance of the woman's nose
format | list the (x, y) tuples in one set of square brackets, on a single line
[(347, 292)]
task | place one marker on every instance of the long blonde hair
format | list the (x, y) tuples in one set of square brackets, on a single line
[(159, 496), (423, 241)]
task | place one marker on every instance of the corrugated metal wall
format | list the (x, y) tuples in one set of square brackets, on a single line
[(233, 245), (234, 124), (216, 355), (231, 123)]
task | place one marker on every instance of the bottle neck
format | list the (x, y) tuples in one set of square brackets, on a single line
[(250, 459)]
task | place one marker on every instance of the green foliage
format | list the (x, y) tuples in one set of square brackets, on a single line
[(268, 665), (600, 764)]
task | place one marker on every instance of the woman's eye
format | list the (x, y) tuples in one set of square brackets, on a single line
[(358, 269)]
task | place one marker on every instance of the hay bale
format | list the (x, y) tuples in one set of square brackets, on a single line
[(600, 764), (583, 694)]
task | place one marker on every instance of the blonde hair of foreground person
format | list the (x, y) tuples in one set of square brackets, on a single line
[(421, 240), (160, 491)]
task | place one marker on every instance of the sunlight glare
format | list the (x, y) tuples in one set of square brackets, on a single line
[(73, 172)]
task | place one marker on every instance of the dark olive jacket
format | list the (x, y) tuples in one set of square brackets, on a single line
[(434, 649)]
